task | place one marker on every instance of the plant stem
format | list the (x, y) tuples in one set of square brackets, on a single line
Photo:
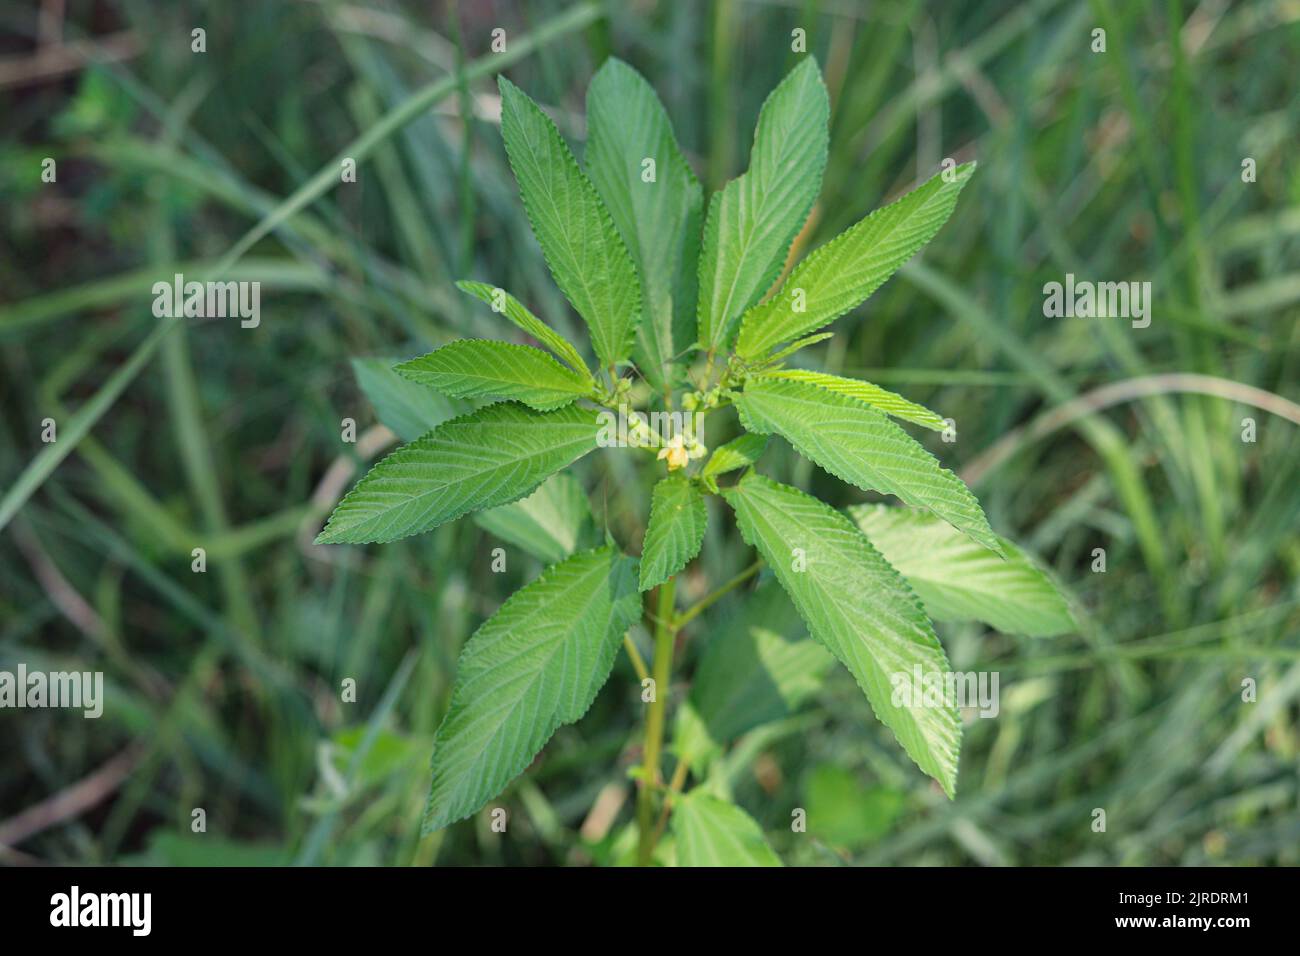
[(642, 672), (674, 789), (665, 632), (707, 602)]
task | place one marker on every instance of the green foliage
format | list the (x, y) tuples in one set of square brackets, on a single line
[(773, 360), (757, 669), (860, 445), (713, 832), (577, 235), (659, 219), (675, 530), (859, 607), (486, 458), (842, 273), (1073, 433), (408, 409), (844, 813), (736, 454), (168, 848), (550, 524), (480, 369), (873, 395), (514, 310), (958, 580), (387, 754), (619, 243), (755, 217), (534, 665)]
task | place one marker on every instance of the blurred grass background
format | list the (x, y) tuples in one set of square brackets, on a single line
[(1075, 433)]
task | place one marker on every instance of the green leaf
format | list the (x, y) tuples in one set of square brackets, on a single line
[(389, 753), (581, 244), (659, 221), (841, 274), (506, 304), (860, 445), (798, 345), (738, 453), (479, 368), (487, 458), (168, 848), (843, 812), (960, 581), (406, 408), (873, 395), (551, 523), (713, 832), (534, 665), (856, 605), (755, 217), (675, 531), (759, 667)]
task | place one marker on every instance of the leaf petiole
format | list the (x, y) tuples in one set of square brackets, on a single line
[(705, 603)]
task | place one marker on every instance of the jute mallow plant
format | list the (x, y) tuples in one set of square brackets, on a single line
[(691, 305)]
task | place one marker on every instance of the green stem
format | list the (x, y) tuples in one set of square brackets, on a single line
[(705, 603), (674, 788), (665, 633), (642, 672)]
